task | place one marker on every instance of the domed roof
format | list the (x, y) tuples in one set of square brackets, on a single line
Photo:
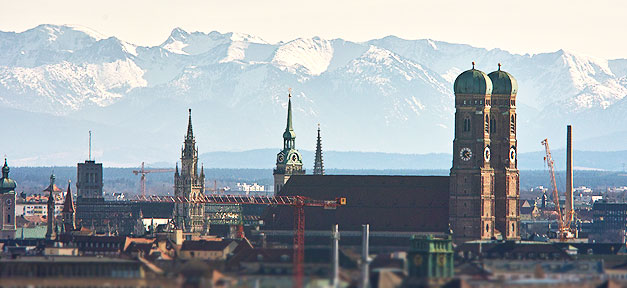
[(473, 81), (6, 184), (503, 82)]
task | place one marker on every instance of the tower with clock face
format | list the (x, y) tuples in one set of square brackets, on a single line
[(504, 151), (471, 205), (289, 161), (7, 204)]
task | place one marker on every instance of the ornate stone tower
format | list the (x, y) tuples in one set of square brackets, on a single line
[(504, 160), (189, 184), (288, 161), (50, 230), (318, 165), (69, 217), (471, 182), (7, 204)]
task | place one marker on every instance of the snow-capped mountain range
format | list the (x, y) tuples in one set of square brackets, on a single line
[(385, 95)]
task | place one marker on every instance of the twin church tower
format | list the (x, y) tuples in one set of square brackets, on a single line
[(484, 180)]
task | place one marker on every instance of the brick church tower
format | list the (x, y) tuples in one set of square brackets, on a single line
[(471, 205), (484, 183), (189, 184), (504, 160)]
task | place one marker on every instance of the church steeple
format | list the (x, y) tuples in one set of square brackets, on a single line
[(68, 211), (289, 136), (190, 132), (289, 161), (318, 165)]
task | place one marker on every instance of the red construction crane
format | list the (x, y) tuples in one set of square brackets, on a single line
[(563, 225), (297, 202), (143, 172)]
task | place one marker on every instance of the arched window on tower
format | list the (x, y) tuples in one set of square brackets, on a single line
[(467, 124), (493, 125), (487, 124), (512, 125)]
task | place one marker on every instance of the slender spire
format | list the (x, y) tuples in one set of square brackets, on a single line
[(318, 164), (68, 205), (202, 170), (289, 113), (289, 136), (190, 132)]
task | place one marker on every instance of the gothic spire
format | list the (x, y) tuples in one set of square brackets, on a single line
[(318, 165), (289, 136), (190, 132), (68, 206)]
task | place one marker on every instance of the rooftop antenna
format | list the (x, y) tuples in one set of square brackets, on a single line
[(89, 145), (289, 93)]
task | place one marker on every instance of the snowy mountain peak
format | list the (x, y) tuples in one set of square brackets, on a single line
[(314, 55)]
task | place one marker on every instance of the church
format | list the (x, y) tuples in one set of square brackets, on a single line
[(477, 201)]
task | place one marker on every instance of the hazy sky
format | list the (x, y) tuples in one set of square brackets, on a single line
[(595, 28)]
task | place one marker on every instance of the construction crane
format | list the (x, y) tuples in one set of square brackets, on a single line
[(143, 173), (297, 202), (563, 225)]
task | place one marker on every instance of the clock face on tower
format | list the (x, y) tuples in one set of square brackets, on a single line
[(280, 158), (294, 157), (512, 154), (486, 154), (465, 154), (9, 201)]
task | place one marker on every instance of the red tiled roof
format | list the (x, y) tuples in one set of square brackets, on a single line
[(387, 203)]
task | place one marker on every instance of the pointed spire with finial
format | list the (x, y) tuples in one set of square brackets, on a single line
[(473, 64), (499, 66), (68, 205), (318, 164), (202, 170), (190, 132), (176, 171), (289, 136)]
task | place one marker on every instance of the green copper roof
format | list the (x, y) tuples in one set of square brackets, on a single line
[(6, 184), (503, 82), (473, 81), (289, 130)]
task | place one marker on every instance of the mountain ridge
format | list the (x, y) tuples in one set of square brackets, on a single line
[(388, 94)]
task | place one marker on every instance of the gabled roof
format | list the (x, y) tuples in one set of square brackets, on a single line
[(387, 203)]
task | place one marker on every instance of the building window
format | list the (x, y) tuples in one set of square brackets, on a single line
[(467, 124), (487, 124), (512, 125), (8, 218)]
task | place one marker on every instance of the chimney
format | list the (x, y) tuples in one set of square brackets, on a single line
[(569, 175)]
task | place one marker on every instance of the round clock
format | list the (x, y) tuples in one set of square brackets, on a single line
[(280, 158), (9, 201), (294, 157), (486, 153), (512, 154), (465, 154)]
